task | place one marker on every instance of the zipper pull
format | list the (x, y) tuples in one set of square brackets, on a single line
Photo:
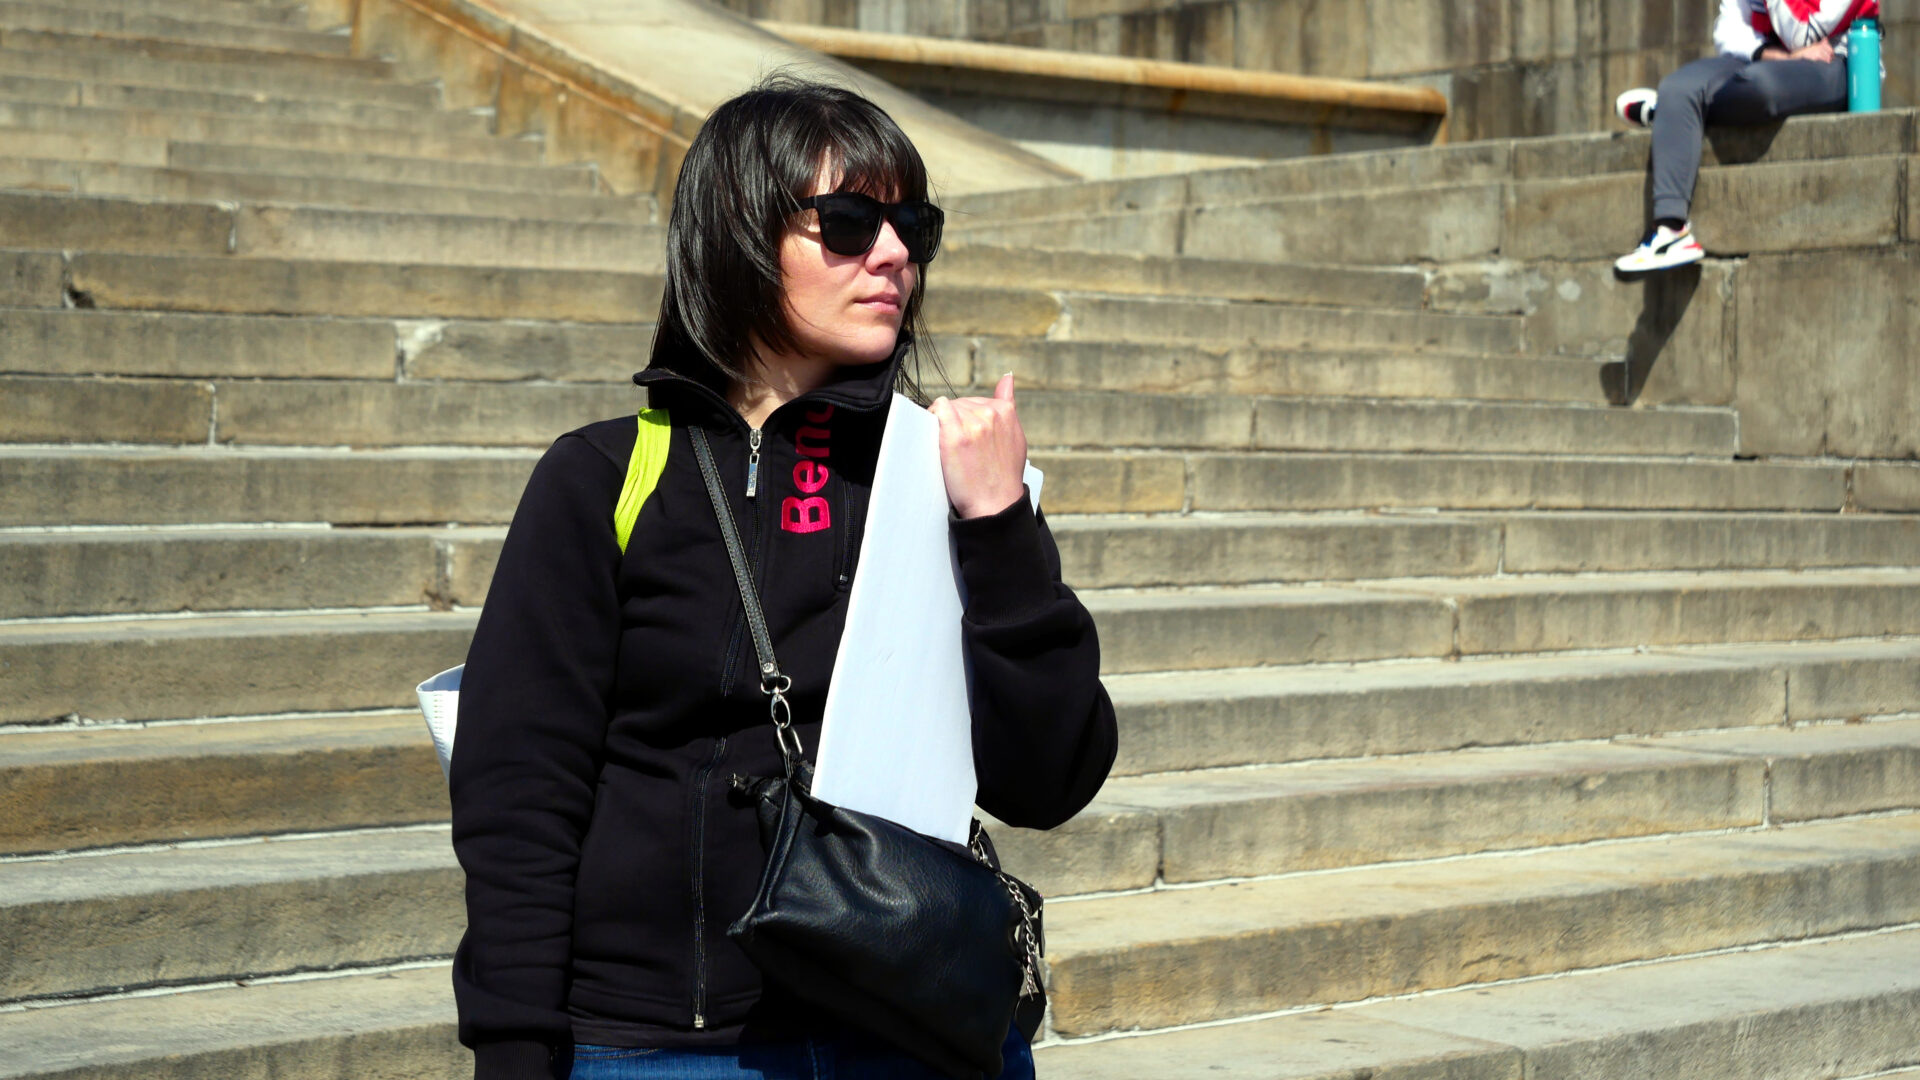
[(753, 462), (699, 1022)]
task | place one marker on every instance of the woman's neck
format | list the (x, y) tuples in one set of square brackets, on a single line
[(777, 380)]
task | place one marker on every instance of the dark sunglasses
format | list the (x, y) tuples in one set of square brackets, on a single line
[(850, 223)]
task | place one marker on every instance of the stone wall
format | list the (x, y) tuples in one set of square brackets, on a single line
[(1511, 67)]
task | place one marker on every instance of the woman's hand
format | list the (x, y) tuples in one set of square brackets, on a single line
[(983, 451), (1820, 52)]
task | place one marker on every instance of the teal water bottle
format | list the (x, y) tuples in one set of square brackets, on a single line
[(1863, 66)]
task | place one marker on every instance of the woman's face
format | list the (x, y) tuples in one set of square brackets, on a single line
[(844, 309)]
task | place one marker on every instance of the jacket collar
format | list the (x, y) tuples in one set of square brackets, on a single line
[(862, 388)]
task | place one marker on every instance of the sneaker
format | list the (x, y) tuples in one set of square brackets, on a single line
[(1636, 106), (1663, 249)]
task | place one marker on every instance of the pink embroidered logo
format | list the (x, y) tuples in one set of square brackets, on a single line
[(813, 513)]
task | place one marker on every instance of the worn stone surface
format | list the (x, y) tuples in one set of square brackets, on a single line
[(1177, 630), (1283, 818), (1840, 680), (118, 573), (1283, 424), (225, 666), (1826, 770), (1106, 552), (278, 232), (1093, 483), (266, 907), (101, 487), (1577, 542), (1670, 336), (1330, 481), (28, 279), (309, 413), (228, 77), (96, 788), (1441, 224), (1886, 486), (1280, 326), (1174, 722), (71, 342), (1860, 397), (34, 410), (352, 164), (1368, 932)]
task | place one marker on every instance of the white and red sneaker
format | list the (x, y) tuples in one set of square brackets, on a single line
[(1636, 106), (1663, 249)]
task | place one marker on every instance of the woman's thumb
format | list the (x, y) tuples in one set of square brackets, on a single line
[(1004, 391)]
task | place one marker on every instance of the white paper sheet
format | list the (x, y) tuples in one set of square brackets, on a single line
[(898, 734)]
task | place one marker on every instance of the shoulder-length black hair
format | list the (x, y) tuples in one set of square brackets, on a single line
[(756, 156)]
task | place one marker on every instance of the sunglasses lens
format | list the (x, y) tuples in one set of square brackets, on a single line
[(918, 224), (848, 226)]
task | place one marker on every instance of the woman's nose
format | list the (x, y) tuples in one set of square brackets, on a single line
[(888, 250)]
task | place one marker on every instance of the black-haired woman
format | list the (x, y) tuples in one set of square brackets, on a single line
[(610, 689)]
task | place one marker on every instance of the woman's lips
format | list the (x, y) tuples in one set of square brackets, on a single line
[(883, 302)]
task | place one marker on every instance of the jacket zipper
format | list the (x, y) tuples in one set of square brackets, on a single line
[(753, 461), (699, 883)]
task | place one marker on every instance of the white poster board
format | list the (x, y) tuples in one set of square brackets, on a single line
[(897, 741)]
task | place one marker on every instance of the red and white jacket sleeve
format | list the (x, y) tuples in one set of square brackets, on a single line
[(1799, 23)]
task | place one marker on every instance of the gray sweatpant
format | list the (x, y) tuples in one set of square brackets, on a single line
[(1728, 89)]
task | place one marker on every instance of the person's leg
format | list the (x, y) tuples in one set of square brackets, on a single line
[(1775, 89), (1679, 126)]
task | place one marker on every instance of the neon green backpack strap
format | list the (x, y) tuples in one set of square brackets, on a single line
[(643, 471)]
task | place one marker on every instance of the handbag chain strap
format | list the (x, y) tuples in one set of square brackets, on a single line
[(773, 682)]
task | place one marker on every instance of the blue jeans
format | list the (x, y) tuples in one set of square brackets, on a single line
[(806, 1059)]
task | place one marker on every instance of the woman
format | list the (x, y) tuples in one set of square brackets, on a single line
[(610, 694), (1773, 59)]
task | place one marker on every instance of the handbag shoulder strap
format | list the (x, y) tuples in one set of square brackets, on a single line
[(773, 682)]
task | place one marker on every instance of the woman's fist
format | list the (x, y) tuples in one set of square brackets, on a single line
[(983, 452)]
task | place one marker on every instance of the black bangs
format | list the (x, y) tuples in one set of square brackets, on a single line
[(753, 159)]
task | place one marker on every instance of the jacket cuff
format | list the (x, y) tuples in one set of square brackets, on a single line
[(514, 1060), (1004, 564)]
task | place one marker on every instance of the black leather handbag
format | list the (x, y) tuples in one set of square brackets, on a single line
[(924, 943)]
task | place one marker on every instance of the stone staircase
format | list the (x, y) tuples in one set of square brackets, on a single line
[(1471, 728)]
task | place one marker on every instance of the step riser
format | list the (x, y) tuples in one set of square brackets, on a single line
[(1061, 365), (379, 168), (236, 12), (266, 286), (318, 234), (99, 342), (249, 131), (157, 49), (308, 413), (273, 109), (992, 266), (138, 25), (182, 185), (190, 488), (1310, 482), (1097, 319), (226, 674), (394, 781), (267, 78), (1242, 974)]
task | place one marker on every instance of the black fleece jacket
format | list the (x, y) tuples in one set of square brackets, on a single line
[(608, 697)]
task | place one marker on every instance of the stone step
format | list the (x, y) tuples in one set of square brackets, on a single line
[(71, 120), (332, 412), (118, 22), (151, 669), (162, 571), (254, 105), (104, 786), (231, 77), (1344, 286), (170, 50), (235, 12), (286, 901), (126, 486), (1859, 202), (1173, 367), (83, 342), (1801, 138), (394, 168), (265, 285), (177, 782), (1836, 1008), (198, 185), (399, 891), (1223, 719), (1191, 955), (1280, 819)]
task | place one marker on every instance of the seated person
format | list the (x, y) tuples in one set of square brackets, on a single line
[(1776, 58)]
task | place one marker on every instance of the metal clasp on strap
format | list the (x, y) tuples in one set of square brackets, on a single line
[(775, 685)]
